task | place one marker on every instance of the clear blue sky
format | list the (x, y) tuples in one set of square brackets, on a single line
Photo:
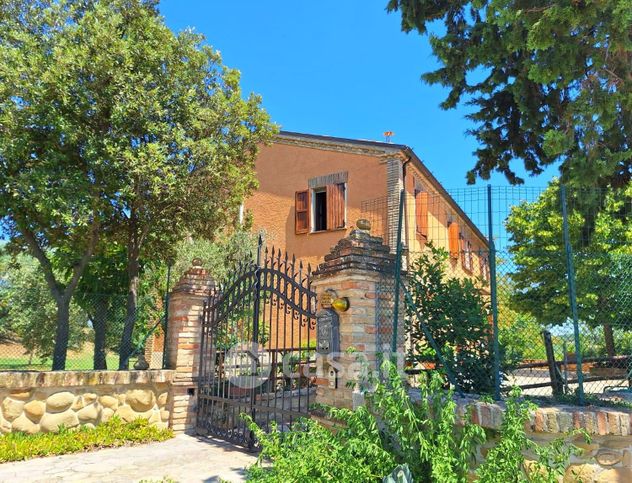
[(340, 68)]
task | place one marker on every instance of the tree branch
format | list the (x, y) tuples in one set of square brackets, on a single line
[(40, 255), (78, 269)]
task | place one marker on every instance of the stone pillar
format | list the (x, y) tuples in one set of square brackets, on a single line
[(361, 268), (186, 303)]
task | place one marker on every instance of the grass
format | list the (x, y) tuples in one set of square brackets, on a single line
[(114, 433), (13, 357)]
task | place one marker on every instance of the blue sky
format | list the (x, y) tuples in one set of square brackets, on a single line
[(339, 68)]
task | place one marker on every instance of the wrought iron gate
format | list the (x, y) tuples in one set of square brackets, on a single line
[(257, 349)]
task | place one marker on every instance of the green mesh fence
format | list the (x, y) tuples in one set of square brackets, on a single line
[(28, 324), (548, 337)]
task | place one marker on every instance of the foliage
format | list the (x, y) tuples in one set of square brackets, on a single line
[(603, 261), (425, 437), (548, 81), (456, 315), (19, 446), (29, 314), (54, 173), (116, 130), (506, 462)]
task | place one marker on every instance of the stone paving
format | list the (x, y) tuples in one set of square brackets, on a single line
[(182, 459)]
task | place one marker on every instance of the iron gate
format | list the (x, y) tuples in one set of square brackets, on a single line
[(257, 349)]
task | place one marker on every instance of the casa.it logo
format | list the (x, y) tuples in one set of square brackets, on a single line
[(247, 365)]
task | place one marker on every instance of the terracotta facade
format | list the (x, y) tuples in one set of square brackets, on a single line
[(374, 173)]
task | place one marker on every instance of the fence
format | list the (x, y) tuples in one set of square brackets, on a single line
[(28, 326), (535, 287)]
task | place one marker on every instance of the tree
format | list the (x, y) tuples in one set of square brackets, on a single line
[(112, 124), (548, 81), (101, 294), (53, 163), (456, 314), (186, 137), (603, 262), (29, 312)]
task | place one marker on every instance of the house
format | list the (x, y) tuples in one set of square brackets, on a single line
[(314, 188)]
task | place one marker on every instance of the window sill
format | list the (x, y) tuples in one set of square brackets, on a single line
[(316, 232)]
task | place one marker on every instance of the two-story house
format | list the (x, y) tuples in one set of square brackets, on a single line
[(314, 188)]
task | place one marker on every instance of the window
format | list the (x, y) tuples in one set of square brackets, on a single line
[(454, 234), (466, 254), (485, 268), (320, 209), (421, 212)]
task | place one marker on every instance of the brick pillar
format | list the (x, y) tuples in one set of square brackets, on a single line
[(184, 329), (361, 268)]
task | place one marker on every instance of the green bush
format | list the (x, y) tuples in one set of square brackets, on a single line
[(456, 314), (391, 431), (20, 446)]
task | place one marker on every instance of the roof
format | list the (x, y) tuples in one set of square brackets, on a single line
[(385, 147)]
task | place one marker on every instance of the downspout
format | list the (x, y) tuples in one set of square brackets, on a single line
[(406, 231)]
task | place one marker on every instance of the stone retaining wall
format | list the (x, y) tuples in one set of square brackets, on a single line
[(35, 402), (608, 456)]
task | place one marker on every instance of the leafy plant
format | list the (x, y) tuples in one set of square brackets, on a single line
[(19, 446), (506, 462), (456, 315), (423, 439)]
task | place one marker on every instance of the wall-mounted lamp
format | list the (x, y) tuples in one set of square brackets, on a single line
[(341, 304)]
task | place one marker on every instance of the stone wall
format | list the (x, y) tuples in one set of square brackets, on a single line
[(34, 402), (606, 458)]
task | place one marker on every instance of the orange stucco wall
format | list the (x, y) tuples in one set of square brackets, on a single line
[(283, 169), (440, 213)]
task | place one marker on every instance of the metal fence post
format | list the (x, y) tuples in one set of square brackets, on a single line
[(572, 294), (493, 284), (398, 268)]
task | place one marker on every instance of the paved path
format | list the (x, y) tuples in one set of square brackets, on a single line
[(182, 459)]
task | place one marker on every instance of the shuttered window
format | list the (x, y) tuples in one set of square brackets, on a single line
[(466, 254), (454, 234), (485, 268), (301, 212), (335, 206), (320, 209), (421, 212)]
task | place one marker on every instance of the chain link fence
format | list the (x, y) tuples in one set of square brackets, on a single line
[(28, 321), (517, 286)]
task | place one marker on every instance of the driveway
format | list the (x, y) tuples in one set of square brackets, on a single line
[(182, 459)]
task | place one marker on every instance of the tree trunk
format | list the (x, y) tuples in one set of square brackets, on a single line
[(609, 338), (62, 333), (133, 273), (100, 330)]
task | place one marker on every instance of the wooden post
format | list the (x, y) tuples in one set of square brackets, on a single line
[(557, 383)]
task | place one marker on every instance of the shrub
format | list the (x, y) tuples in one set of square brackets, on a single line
[(392, 432), (456, 315), (20, 446)]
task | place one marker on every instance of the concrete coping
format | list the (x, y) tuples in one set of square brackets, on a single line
[(33, 379)]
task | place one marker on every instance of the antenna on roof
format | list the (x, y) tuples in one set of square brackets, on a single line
[(388, 135)]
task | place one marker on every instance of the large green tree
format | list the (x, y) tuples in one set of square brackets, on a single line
[(54, 181), (548, 82), (603, 262), (116, 130)]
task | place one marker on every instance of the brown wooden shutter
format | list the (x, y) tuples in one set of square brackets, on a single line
[(421, 212), (454, 239), (301, 211), (335, 206)]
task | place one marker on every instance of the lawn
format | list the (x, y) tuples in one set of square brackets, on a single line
[(13, 358)]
